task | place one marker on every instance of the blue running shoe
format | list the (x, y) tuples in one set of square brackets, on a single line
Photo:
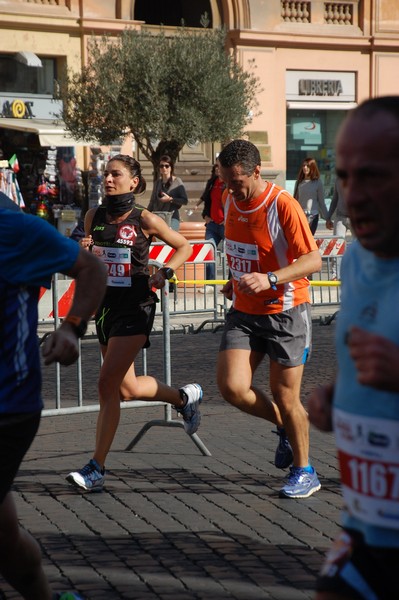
[(300, 484), (192, 392), (283, 457), (90, 478)]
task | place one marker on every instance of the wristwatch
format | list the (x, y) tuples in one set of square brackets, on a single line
[(272, 280), (78, 324), (167, 272)]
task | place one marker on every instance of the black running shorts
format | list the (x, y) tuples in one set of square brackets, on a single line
[(139, 321), (17, 432)]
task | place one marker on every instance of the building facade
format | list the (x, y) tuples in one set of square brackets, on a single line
[(316, 60)]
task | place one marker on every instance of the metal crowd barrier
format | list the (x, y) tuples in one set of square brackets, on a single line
[(186, 298), (332, 249)]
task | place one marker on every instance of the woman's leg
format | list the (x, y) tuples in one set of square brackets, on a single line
[(118, 360), (118, 381), (146, 387), (313, 224)]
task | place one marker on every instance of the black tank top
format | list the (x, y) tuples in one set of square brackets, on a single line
[(125, 249)]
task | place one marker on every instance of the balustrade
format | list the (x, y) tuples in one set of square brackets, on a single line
[(335, 13), (295, 12), (338, 13)]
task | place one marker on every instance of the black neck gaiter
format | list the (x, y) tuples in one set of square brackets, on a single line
[(119, 204)]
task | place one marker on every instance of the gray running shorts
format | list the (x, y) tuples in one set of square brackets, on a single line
[(286, 337)]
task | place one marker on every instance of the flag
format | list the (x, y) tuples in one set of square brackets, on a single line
[(14, 164)]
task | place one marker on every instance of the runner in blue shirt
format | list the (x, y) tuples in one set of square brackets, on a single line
[(362, 406), (31, 251)]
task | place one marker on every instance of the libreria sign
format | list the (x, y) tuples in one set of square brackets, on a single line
[(319, 87)]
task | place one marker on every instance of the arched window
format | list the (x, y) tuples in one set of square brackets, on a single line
[(174, 12)]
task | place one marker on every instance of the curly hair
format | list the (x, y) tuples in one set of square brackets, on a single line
[(242, 153)]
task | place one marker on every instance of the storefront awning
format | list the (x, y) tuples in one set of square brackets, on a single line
[(30, 59), (320, 105), (51, 133)]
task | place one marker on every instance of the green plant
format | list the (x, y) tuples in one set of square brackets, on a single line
[(168, 90)]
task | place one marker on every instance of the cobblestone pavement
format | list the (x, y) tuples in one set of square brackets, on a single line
[(173, 523)]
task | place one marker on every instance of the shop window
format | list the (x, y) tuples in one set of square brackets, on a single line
[(16, 78), (174, 12), (312, 133)]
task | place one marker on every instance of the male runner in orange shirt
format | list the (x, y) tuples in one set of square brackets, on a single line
[(270, 251)]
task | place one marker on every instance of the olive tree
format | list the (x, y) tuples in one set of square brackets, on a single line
[(166, 89)]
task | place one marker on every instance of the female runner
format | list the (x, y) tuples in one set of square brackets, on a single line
[(120, 233)]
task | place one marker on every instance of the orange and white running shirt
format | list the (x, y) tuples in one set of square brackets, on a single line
[(266, 234)]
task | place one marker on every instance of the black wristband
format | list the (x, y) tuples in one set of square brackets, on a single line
[(168, 272), (78, 324)]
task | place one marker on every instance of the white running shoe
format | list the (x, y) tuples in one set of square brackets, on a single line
[(90, 478), (300, 483), (192, 392), (207, 289)]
